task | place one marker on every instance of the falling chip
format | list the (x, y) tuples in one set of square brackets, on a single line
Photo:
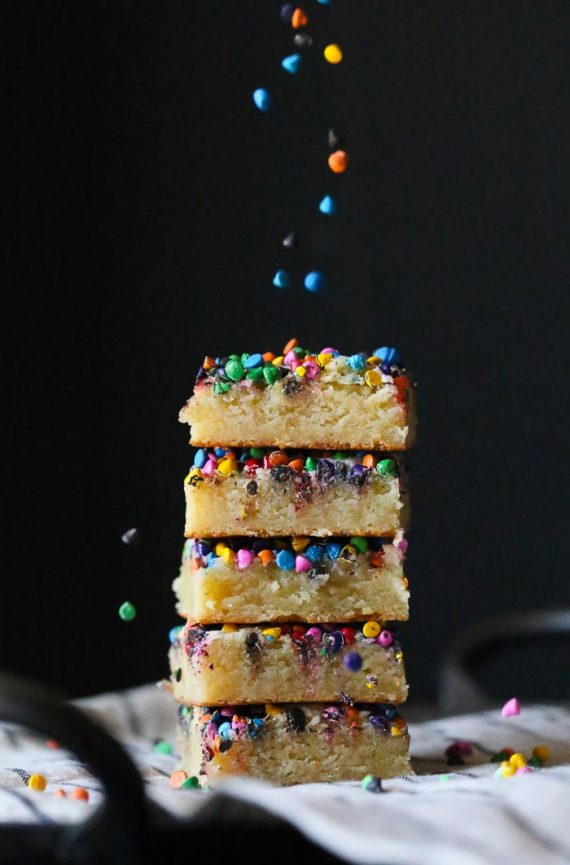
[(292, 63), (303, 40), (335, 140), (131, 538), (291, 241)]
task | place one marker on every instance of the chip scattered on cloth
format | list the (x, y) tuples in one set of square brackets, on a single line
[(443, 815)]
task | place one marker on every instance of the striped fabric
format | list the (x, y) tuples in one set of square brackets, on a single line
[(466, 818)]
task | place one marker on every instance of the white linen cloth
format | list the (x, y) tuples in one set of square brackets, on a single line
[(467, 818)]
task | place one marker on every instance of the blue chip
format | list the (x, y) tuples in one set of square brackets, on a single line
[(219, 452), (334, 550), (314, 552), (174, 633), (253, 360), (292, 63), (357, 361), (328, 206), (281, 279), (285, 560), (314, 281), (200, 458), (225, 730), (262, 99)]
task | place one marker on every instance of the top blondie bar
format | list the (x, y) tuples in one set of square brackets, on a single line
[(303, 399)]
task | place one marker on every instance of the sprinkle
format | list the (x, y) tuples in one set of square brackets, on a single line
[(60, 793), (352, 661), (200, 458), (302, 40), (371, 629), (162, 747), (291, 241), (373, 378), (314, 281), (131, 538), (338, 161), (80, 793), (357, 362), (299, 544), (359, 544), (299, 18), (266, 556), (443, 778), (507, 771), (271, 633), (292, 63), (333, 54), (334, 139), (285, 560), (177, 778), (296, 719), (53, 745), (387, 354), (282, 279), (262, 99), (190, 783), (234, 370), (227, 467), (386, 468), (37, 782), (270, 374), (127, 611), (252, 361), (289, 346), (372, 784), (174, 633), (327, 206), (517, 760), (385, 638), (542, 753), (287, 12), (512, 707)]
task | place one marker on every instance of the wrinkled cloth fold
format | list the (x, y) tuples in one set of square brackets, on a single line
[(442, 815)]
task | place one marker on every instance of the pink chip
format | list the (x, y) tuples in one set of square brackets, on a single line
[(315, 634), (312, 368), (302, 563), (244, 558), (512, 707), (329, 351), (208, 469), (290, 359), (385, 638)]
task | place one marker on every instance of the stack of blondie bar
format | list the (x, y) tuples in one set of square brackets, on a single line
[(289, 668)]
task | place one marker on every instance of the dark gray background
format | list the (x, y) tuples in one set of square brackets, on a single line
[(147, 201)]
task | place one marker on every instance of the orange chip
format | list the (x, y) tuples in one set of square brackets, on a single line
[(369, 460), (266, 556), (80, 793), (208, 362), (296, 465), (376, 560), (299, 18), (268, 356), (278, 458), (177, 778), (289, 346), (338, 161), (60, 793)]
